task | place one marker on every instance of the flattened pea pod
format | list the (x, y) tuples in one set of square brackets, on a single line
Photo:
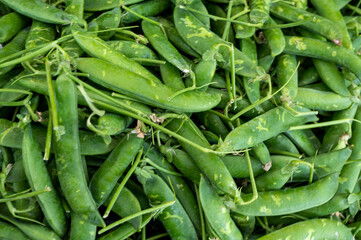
[(312, 229), (67, 154), (10, 25), (201, 39), (155, 94), (263, 127), (38, 178), (217, 213), (290, 200)]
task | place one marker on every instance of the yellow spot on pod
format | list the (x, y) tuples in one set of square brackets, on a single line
[(103, 73), (188, 22), (157, 97), (334, 54), (264, 209), (202, 33), (309, 234), (215, 177), (276, 199)]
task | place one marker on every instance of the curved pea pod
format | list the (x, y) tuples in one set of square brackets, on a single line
[(263, 127), (8, 231), (174, 218), (238, 168), (274, 179), (90, 143), (126, 205), (171, 76), (286, 70), (305, 140), (201, 39), (213, 123), (67, 154), (308, 76), (38, 178), (242, 30), (322, 100), (49, 13), (216, 212), (259, 11), (10, 25), (210, 164), (155, 94), (134, 50), (182, 190), (113, 124), (314, 48), (290, 200), (281, 143), (106, 177), (147, 9), (80, 229), (160, 43), (275, 38), (107, 20), (318, 24), (313, 229), (32, 230)]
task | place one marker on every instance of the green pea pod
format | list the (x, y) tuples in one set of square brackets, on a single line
[(281, 143), (81, 230), (315, 229), (216, 212), (161, 44), (275, 38), (10, 25), (49, 13), (67, 154), (219, 26), (32, 230), (101, 5), (245, 223), (213, 123), (174, 218), (155, 94), (290, 200), (38, 178), (341, 3), (259, 11), (40, 33), (106, 177), (75, 7), (147, 9), (314, 48), (199, 6), (308, 76), (113, 124), (242, 30), (302, 4), (322, 100), (305, 140), (210, 164), (238, 168), (204, 72), (134, 50), (201, 39), (318, 24), (266, 62), (263, 127), (286, 69), (107, 20), (262, 153), (8, 231), (171, 76)]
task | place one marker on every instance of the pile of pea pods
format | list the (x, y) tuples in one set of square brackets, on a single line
[(180, 119)]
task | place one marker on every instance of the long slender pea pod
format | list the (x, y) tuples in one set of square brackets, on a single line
[(15, 45), (67, 154), (350, 172), (312, 229), (263, 127), (216, 212), (134, 50), (308, 76), (171, 76), (309, 47), (155, 94), (161, 44), (213, 123), (8, 231), (49, 13), (328, 9), (335, 134), (275, 38), (174, 218), (38, 178), (287, 69), (10, 25), (32, 230), (108, 20), (291, 200), (259, 13), (101, 5), (318, 24), (242, 30), (281, 143), (182, 190), (322, 100), (80, 229), (210, 164), (40, 33), (238, 167), (90, 143), (106, 177), (147, 9), (305, 140), (201, 39)]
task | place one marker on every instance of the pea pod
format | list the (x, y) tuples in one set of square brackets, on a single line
[(308, 76), (291, 200), (10, 25), (281, 143), (101, 5), (171, 76), (305, 140), (38, 178), (81, 230), (147, 9), (155, 94), (259, 11), (8, 231), (75, 7), (287, 69), (263, 127), (108, 20), (40, 33), (242, 30), (275, 38), (238, 168), (67, 154)]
